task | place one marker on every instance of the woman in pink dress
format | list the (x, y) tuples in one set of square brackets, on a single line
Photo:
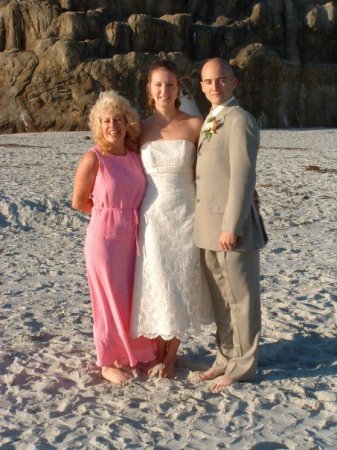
[(109, 185)]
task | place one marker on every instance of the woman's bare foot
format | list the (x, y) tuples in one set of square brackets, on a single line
[(163, 365), (167, 370), (222, 383), (155, 367), (210, 374), (115, 375), (136, 372)]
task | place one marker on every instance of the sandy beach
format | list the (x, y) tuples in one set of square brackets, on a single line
[(52, 394)]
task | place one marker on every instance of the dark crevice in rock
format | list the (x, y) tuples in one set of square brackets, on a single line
[(57, 55)]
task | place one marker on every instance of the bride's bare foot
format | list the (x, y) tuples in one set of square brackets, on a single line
[(154, 368), (167, 370), (163, 365), (210, 374), (222, 383), (115, 375)]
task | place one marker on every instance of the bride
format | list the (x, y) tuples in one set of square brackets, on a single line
[(168, 299)]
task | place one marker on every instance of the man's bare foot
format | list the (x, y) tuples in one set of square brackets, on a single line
[(222, 383), (210, 374), (115, 375)]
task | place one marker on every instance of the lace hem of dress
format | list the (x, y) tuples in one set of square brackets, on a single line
[(167, 337)]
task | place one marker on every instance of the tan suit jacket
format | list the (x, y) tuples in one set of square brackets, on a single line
[(225, 178)]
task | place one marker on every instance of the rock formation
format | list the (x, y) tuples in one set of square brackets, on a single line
[(57, 55)]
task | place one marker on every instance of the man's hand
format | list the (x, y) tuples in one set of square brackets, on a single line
[(228, 241)]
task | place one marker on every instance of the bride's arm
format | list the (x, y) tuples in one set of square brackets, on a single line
[(195, 124)]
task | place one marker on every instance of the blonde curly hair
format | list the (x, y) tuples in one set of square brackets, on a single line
[(112, 102)]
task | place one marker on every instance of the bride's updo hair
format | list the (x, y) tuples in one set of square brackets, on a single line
[(161, 64)]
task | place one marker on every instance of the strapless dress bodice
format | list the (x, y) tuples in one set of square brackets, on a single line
[(171, 156)]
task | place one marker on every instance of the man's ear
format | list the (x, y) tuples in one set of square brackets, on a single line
[(235, 82)]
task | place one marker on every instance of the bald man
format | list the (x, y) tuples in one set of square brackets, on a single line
[(228, 228)]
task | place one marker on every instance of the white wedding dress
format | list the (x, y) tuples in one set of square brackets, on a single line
[(170, 295)]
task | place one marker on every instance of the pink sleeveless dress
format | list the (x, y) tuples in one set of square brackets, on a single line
[(110, 250)]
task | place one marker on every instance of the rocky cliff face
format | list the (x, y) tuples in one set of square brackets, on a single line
[(57, 55)]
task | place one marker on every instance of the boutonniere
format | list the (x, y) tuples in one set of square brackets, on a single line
[(212, 124)]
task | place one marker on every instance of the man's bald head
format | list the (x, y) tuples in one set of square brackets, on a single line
[(217, 81), (220, 63)]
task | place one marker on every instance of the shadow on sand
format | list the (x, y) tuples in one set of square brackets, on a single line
[(304, 356)]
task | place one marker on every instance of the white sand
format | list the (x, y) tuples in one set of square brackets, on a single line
[(52, 395)]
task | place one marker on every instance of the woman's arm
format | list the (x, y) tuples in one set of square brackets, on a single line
[(84, 182)]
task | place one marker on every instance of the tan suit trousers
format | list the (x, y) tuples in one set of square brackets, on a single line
[(234, 281)]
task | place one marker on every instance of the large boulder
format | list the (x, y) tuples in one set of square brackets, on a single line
[(317, 95), (57, 55), (118, 37), (180, 28), (27, 21), (18, 69), (168, 33), (268, 86)]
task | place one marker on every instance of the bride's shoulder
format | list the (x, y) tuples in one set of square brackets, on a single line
[(194, 123), (146, 124), (192, 127), (146, 130), (193, 119)]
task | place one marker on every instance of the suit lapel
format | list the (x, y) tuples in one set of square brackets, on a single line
[(233, 104), (221, 115), (201, 140)]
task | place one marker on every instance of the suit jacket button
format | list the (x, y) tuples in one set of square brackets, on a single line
[(198, 200)]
